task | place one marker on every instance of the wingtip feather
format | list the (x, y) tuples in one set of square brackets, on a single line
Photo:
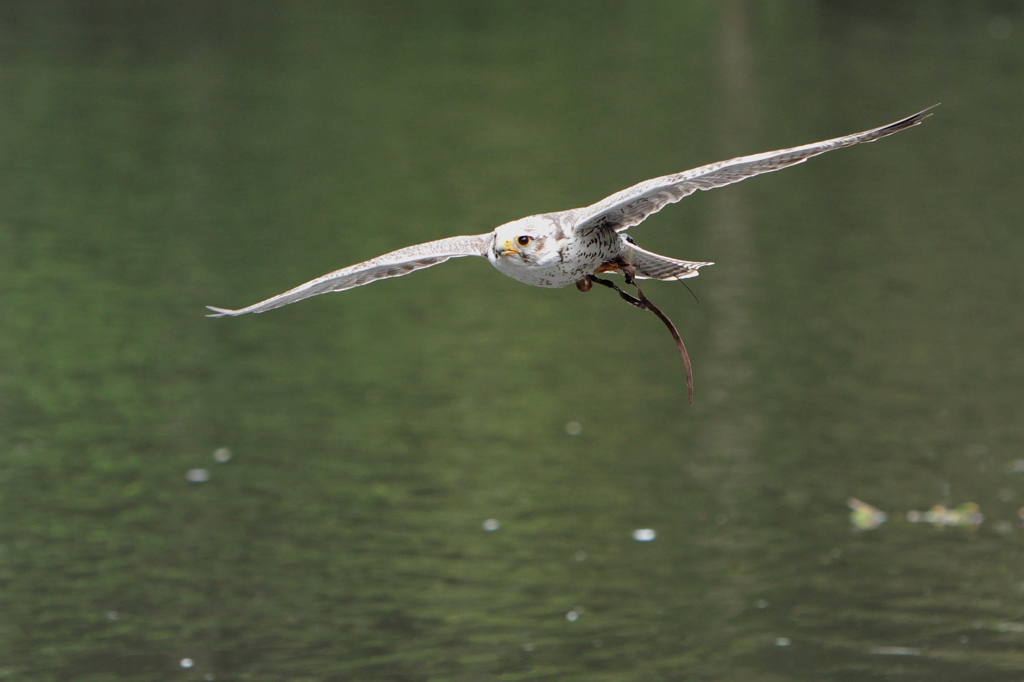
[(220, 312), (911, 121)]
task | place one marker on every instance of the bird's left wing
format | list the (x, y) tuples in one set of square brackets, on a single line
[(631, 206), (394, 264)]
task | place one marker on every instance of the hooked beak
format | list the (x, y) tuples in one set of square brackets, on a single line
[(505, 249)]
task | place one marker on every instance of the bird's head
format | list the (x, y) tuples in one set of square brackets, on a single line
[(521, 240)]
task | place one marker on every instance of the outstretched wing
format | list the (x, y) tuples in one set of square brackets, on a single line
[(394, 264), (631, 206)]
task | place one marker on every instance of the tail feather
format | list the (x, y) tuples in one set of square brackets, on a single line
[(651, 265)]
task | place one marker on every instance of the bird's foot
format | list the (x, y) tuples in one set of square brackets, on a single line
[(632, 300)]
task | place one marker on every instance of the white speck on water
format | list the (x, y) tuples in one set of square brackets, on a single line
[(580, 555), (644, 534), (782, 641), (1000, 27), (976, 450), (198, 475), (491, 525), (1003, 527), (528, 647), (187, 663), (572, 616), (113, 615), (1016, 466), (573, 428), (895, 651), (222, 455), (761, 603), (209, 677)]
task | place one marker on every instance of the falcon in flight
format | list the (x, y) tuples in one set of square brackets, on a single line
[(572, 247)]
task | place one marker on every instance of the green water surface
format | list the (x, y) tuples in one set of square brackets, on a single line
[(861, 335)]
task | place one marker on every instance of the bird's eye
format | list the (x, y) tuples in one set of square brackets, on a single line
[(524, 240)]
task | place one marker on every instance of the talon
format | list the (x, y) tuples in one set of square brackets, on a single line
[(628, 271)]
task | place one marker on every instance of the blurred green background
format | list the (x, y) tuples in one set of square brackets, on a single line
[(860, 336)]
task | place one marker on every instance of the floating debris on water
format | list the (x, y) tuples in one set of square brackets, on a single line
[(761, 603), (1010, 627), (894, 651), (222, 455), (198, 475), (572, 616), (782, 641), (580, 555), (1016, 466), (573, 428), (491, 525), (967, 514), (644, 534), (863, 516), (186, 663)]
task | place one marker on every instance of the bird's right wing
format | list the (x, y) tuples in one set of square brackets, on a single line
[(632, 205), (394, 264)]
